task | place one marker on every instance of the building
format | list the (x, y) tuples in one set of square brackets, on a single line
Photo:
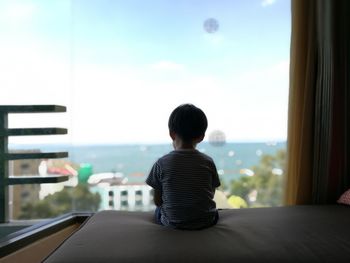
[(24, 193), (130, 197)]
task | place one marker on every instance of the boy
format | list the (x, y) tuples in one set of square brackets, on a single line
[(185, 179)]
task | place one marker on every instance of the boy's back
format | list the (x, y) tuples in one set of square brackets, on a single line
[(184, 180), (187, 180)]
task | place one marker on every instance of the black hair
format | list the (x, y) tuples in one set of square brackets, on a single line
[(188, 122)]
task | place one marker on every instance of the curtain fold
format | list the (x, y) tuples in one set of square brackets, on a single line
[(318, 116), (339, 173), (301, 99)]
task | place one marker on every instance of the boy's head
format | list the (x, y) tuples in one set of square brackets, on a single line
[(188, 122)]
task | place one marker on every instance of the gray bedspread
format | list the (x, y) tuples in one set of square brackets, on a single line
[(279, 234)]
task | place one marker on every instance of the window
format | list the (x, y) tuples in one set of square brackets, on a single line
[(121, 67)]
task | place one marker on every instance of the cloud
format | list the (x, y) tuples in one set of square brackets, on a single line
[(16, 12), (130, 104), (214, 40), (167, 65), (268, 2)]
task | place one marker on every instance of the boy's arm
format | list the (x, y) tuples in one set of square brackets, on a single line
[(216, 180), (153, 180), (157, 197)]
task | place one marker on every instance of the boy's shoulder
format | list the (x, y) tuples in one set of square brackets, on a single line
[(185, 154)]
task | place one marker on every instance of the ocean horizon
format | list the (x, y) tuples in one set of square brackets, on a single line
[(134, 161)]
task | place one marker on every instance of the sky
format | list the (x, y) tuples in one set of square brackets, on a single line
[(121, 67)]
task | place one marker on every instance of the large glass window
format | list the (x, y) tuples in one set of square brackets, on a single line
[(121, 67)]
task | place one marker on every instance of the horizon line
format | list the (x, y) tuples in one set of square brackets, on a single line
[(140, 143)]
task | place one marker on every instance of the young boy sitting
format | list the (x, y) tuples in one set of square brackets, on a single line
[(185, 179)]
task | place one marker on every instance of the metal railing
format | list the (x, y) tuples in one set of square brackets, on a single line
[(6, 156)]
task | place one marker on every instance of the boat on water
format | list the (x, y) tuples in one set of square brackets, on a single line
[(110, 178)]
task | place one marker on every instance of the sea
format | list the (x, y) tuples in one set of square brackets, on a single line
[(134, 161)]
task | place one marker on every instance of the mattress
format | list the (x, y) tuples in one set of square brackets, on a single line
[(276, 234)]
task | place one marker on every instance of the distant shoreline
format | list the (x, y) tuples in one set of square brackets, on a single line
[(31, 146)]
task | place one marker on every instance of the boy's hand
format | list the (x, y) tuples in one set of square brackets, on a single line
[(157, 197)]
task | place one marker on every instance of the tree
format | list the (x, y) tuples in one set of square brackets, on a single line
[(77, 198), (265, 187)]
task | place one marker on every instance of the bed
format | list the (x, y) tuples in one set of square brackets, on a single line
[(278, 234)]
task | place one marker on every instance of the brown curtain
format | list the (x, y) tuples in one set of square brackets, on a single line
[(318, 117)]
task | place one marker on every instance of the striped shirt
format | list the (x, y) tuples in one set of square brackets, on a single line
[(187, 180)]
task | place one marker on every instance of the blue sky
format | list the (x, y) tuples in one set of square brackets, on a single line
[(121, 66)]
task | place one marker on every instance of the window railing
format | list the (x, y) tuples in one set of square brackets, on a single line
[(5, 156)]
